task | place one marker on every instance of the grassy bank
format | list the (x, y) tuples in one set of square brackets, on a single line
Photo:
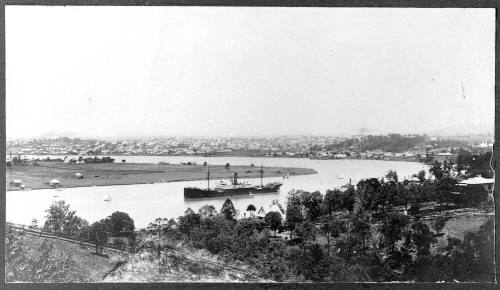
[(38, 176), (89, 267)]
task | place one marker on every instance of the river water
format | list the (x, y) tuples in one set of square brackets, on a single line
[(145, 202)]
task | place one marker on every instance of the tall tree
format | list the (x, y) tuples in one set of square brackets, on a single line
[(439, 223), (188, 221), (293, 216), (392, 229), (312, 203), (99, 234), (251, 208), (228, 210), (61, 220), (273, 219), (120, 223), (437, 170), (207, 211)]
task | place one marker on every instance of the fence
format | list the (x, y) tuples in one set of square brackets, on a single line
[(71, 239)]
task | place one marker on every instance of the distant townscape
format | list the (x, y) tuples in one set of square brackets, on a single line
[(389, 147)]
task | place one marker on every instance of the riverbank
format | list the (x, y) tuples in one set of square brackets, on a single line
[(250, 153), (38, 176)]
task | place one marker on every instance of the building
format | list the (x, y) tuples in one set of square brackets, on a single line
[(16, 182), (444, 156), (54, 183), (477, 189)]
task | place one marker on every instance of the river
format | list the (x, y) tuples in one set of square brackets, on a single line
[(145, 202)]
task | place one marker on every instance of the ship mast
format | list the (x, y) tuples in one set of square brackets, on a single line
[(261, 174), (208, 177)]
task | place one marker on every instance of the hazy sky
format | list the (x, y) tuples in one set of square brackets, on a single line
[(127, 71)]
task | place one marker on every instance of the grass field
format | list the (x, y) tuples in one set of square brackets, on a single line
[(38, 176), (89, 267), (457, 226)]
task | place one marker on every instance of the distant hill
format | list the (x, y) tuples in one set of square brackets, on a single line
[(461, 130)]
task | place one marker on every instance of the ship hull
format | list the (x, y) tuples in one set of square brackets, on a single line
[(196, 193), (267, 189), (193, 192)]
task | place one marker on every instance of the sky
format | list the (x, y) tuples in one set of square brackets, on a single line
[(232, 71)]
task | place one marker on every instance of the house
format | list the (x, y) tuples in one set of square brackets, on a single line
[(261, 213), (444, 156), (16, 182), (479, 183), (54, 183), (476, 189), (274, 206)]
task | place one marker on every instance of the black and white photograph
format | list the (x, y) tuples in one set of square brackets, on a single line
[(161, 144)]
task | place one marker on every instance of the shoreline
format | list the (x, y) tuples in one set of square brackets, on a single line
[(230, 155), (109, 174), (138, 183)]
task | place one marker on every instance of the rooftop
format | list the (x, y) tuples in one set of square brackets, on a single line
[(478, 180)]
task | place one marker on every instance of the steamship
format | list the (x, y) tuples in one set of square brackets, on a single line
[(231, 189)]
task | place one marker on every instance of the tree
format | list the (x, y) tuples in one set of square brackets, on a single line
[(392, 176), (312, 203), (421, 238), (361, 228), (392, 229), (188, 221), (207, 211), (439, 223), (332, 228), (293, 215), (332, 200), (99, 234), (120, 223), (443, 189), (228, 210), (17, 262), (60, 219), (273, 219), (52, 269), (367, 192), (26, 264), (420, 175), (251, 208), (436, 170), (305, 231), (348, 201)]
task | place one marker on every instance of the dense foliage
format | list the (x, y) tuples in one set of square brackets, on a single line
[(373, 231), (43, 264)]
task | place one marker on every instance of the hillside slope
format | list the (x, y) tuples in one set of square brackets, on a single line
[(181, 264)]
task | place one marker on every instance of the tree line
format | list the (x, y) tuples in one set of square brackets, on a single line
[(373, 231)]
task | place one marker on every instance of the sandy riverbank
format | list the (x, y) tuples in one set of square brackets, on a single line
[(38, 176)]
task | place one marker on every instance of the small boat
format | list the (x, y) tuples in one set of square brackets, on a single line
[(107, 197), (340, 176)]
